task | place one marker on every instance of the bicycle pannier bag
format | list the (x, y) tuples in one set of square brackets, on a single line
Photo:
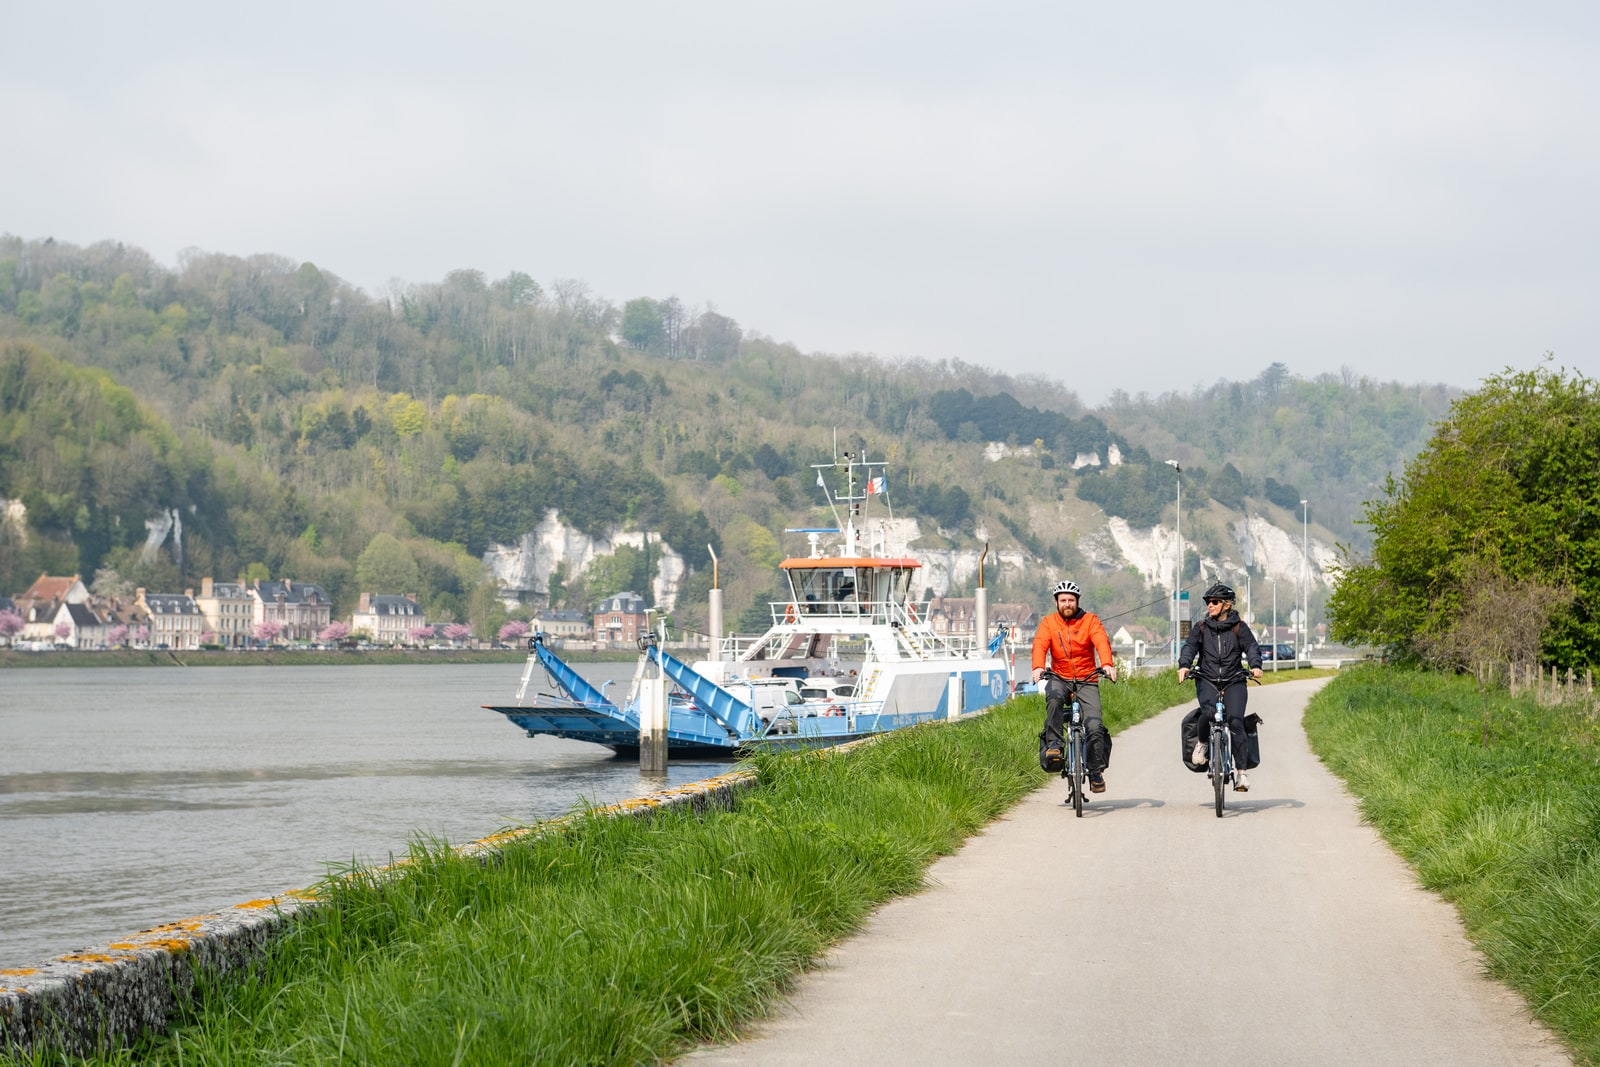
[(1191, 734), (1047, 763), (1252, 742)]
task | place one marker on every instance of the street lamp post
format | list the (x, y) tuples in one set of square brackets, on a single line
[(1177, 572), (1305, 577)]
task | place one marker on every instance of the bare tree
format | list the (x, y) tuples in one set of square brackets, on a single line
[(1498, 625)]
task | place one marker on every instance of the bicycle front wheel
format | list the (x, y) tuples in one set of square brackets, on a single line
[(1219, 768), (1079, 773)]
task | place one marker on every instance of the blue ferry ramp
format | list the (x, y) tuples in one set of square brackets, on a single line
[(1050, 939)]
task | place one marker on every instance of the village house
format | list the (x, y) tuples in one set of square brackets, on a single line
[(620, 620), (957, 617), (77, 626), (387, 618), (175, 619), (41, 604), (229, 611), (1127, 636), (562, 625), (301, 608)]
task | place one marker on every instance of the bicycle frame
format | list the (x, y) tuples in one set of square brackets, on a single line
[(1219, 766), (1075, 751)]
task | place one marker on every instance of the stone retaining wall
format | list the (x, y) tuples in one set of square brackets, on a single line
[(104, 996)]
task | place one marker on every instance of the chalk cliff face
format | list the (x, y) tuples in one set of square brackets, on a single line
[(166, 527), (523, 569), (1153, 551)]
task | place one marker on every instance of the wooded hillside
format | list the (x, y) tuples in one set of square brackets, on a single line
[(300, 427)]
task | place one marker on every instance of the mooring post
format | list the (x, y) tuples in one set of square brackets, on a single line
[(653, 725), (980, 608)]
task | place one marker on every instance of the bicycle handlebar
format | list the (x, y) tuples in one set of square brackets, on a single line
[(1195, 674), (1099, 672)]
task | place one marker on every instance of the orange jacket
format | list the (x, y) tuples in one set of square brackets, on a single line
[(1068, 646)]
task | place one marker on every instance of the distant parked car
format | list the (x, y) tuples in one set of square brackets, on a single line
[(1277, 652)]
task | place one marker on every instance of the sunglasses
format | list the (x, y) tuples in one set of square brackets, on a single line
[(1212, 600)]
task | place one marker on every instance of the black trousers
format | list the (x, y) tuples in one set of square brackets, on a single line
[(1237, 695), (1098, 756)]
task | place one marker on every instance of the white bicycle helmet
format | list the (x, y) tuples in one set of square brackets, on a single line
[(1066, 587)]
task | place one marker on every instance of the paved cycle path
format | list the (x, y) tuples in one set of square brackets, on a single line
[(1053, 939)]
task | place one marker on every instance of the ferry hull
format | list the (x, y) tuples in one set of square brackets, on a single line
[(691, 734)]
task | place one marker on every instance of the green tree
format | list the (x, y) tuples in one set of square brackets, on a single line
[(1508, 486), (621, 572), (642, 324), (387, 566)]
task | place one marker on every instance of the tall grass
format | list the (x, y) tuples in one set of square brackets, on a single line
[(1496, 803), (621, 940)]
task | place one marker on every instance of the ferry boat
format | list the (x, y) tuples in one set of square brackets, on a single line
[(849, 653)]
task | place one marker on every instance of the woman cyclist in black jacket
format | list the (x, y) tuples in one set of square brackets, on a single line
[(1219, 641)]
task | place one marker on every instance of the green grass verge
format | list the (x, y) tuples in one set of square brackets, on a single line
[(1496, 803), (620, 940)]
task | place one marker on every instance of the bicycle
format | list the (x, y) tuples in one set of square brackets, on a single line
[(1219, 764), (1075, 750)]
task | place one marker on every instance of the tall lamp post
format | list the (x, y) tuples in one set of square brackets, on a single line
[(1305, 578), (1177, 571)]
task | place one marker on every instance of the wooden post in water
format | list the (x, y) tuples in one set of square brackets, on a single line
[(653, 725)]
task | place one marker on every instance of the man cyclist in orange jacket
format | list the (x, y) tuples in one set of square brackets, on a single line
[(1068, 642)]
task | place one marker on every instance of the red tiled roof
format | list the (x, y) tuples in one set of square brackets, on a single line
[(48, 588)]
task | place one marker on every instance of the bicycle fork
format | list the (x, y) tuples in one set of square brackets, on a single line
[(1222, 738)]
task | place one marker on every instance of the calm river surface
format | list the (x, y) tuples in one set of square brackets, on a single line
[(131, 797)]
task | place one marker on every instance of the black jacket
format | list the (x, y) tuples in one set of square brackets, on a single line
[(1219, 643)]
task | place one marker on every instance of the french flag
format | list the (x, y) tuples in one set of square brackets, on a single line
[(877, 485)]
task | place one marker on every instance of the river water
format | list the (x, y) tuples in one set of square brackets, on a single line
[(131, 797)]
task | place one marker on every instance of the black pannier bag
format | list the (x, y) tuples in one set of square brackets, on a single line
[(1252, 742), (1191, 734), (1051, 764)]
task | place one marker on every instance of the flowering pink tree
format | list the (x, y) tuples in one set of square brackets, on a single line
[(267, 632), (63, 630), (418, 634), (207, 637), (117, 636), (514, 631), (457, 632), (140, 635), (333, 633), (10, 624)]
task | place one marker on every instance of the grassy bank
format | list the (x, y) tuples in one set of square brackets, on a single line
[(1496, 803), (619, 940), (134, 657)]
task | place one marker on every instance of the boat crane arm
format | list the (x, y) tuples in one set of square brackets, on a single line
[(738, 717)]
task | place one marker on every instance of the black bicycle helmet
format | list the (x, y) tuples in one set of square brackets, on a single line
[(1219, 592)]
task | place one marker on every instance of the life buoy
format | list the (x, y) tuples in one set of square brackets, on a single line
[(834, 709), (911, 611), (789, 614)]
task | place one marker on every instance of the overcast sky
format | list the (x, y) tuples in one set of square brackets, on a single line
[(1139, 196)]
